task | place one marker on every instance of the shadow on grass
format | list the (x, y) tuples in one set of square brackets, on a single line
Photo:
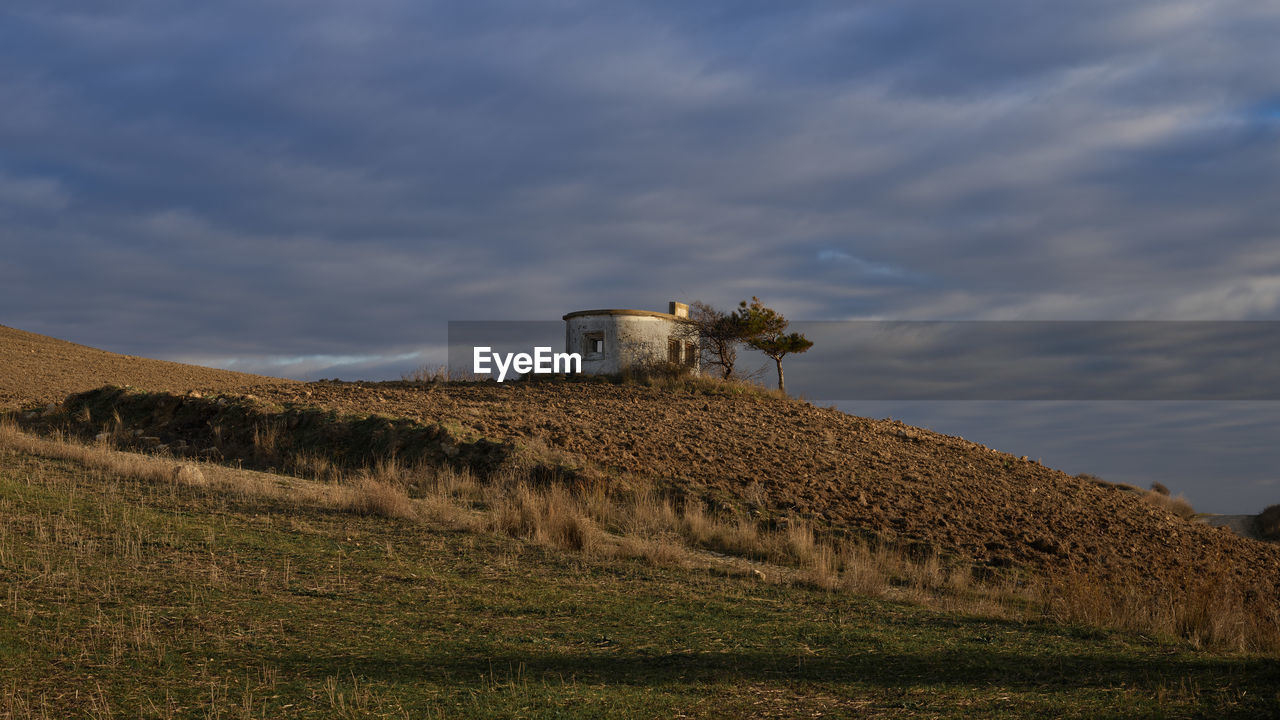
[(958, 668)]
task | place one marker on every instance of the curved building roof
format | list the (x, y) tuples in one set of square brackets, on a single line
[(622, 311)]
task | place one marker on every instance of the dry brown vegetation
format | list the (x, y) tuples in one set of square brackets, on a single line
[(749, 452), (429, 374), (1178, 505), (1268, 523), (1219, 612), (679, 377), (1158, 496), (704, 473), (366, 494), (746, 452)]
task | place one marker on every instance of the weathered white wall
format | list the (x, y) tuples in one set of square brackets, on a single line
[(628, 340)]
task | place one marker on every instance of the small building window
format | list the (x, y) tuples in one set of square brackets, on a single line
[(593, 343), (673, 351), (691, 353)]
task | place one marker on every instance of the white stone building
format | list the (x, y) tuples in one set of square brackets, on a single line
[(611, 341)]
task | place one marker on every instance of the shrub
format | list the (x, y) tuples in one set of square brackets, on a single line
[(656, 373), (427, 374), (432, 374), (1176, 505), (1268, 523)]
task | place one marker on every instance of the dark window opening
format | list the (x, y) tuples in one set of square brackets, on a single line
[(673, 351)]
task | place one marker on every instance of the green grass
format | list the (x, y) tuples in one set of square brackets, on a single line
[(123, 598)]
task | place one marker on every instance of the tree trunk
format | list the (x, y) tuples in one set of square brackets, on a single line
[(781, 387), (727, 360)]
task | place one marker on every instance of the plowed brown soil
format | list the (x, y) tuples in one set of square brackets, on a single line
[(36, 369), (775, 455), (849, 472)]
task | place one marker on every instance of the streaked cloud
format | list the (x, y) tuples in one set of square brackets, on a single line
[(283, 185)]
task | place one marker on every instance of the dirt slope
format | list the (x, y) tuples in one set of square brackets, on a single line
[(782, 456), (36, 369), (773, 457)]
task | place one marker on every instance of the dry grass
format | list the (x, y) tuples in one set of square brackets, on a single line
[(1126, 487), (732, 536), (1216, 613), (553, 516), (679, 377), (644, 524), (97, 455), (266, 439), (658, 552), (1158, 495), (370, 496), (315, 466), (429, 374), (1177, 505)]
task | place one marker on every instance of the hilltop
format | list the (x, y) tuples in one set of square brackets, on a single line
[(37, 369), (743, 452)]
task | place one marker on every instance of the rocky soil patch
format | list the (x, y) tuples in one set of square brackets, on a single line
[(777, 457)]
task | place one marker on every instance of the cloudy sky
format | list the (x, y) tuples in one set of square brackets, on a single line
[(316, 188)]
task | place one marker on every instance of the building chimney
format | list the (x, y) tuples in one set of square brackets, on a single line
[(678, 309)]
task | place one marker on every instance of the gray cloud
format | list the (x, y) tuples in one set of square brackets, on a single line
[(1100, 160), (275, 181), (1023, 360), (1220, 455)]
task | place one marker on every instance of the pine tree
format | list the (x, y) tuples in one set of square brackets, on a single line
[(766, 331)]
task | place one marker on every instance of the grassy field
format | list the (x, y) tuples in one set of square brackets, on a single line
[(128, 597)]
